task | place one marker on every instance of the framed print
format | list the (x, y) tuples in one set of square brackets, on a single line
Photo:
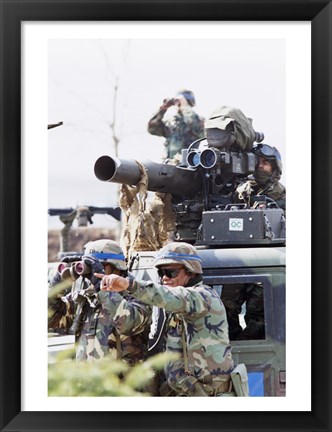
[(32, 36)]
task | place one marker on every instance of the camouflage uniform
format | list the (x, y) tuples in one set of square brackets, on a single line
[(112, 318), (180, 130), (112, 324), (196, 328), (272, 189)]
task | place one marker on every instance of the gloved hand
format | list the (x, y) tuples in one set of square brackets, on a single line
[(95, 266)]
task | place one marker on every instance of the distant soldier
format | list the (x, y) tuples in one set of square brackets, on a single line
[(180, 130), (196, 326), (104, 323)]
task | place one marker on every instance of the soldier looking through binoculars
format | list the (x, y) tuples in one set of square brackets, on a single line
[(103, 323), (180, 130)]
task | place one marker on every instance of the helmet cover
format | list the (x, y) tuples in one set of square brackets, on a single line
[(180, 253), (106, 250)]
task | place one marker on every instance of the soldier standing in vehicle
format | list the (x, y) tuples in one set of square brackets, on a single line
[(196, 327), (180, 130), (266, 178), (104, 323)]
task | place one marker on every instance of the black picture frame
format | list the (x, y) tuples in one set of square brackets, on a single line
[(319, 13)]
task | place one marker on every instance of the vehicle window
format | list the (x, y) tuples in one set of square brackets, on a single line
[(244, 303)]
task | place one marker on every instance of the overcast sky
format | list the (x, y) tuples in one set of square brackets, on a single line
[(246, 73)]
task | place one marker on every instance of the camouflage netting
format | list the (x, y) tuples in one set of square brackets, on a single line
[(242, 125), (145, 225)]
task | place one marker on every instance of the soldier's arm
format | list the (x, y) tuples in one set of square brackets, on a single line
[(129, 316), (61, 311), (281, 200), (156, 125), (277, 192), (195, 302)]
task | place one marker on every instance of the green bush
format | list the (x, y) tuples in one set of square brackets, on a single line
[(103, 377)]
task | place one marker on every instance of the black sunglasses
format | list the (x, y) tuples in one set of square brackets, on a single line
[(171, 273)]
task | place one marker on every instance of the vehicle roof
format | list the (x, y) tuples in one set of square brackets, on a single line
[(231, 257), (243, 257)]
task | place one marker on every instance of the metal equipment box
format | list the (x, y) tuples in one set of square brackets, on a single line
[(252, 226)]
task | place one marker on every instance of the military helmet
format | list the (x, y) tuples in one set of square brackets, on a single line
[(106, 250), (269, 153), (180, 253), (188, 95)]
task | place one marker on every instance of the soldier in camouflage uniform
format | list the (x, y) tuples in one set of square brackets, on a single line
[(196, 327), (265, 183), (180, 130), (266, 178), (104, 323)]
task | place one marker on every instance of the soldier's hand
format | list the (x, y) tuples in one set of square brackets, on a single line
[(95, 266), (112, 282), (167, 103)]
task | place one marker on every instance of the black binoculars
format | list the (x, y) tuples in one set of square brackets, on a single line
[(73, 270)]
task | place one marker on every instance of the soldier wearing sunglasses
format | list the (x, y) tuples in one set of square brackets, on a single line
[(196, 326)]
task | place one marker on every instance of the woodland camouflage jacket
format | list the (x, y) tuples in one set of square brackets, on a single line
[(113, 324), (180, 130), (197, 325)]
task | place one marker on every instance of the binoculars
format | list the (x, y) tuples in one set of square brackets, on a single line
[(213, 158), (73, 270), (171, 101)]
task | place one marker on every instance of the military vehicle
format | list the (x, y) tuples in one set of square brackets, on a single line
[(264, 358), (239, 245)]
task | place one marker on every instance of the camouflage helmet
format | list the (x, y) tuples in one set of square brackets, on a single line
[(188, 95), (269, 153), (106, 250), (180, 253)]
